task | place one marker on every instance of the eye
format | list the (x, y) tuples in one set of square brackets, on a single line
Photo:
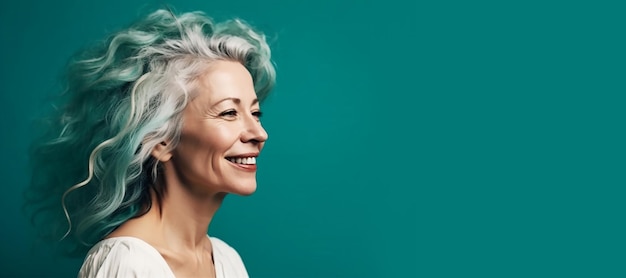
[(257, 114), (229, 113)]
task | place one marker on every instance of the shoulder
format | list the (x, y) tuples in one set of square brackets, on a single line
[(124, 257), (227, 259)]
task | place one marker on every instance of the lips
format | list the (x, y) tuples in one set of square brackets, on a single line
[(246, 162)]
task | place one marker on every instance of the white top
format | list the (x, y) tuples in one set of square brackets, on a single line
[(133, 257)]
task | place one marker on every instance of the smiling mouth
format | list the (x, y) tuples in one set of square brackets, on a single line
[(242, 160)]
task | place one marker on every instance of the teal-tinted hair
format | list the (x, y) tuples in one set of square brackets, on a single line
[(93, 170)]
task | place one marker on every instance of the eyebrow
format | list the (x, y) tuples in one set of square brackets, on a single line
[(236, 100)]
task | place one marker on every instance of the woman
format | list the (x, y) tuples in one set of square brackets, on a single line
[(158, 125)]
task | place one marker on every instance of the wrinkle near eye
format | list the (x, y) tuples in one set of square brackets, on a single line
[(208, 112)]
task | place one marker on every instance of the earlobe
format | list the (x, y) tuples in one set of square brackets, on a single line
[(161, 152)]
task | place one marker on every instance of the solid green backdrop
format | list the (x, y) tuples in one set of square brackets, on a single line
[(407, 139)]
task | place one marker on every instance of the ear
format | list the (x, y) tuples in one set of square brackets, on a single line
[(161, 152)]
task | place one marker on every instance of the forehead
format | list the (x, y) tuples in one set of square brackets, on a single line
[(225, 79)]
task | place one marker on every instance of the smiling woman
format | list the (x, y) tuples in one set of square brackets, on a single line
[(157, 125), (227, 106)]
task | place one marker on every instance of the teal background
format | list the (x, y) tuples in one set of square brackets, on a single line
[(407, 139)]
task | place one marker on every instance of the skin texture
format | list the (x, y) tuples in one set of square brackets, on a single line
[(221, 121)]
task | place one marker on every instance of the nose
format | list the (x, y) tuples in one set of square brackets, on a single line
[(254, 132)]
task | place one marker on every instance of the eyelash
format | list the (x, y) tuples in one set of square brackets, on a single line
[(233, 112), (229, 113)]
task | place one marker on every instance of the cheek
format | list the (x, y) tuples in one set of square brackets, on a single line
[(224, 135), (204, 146), (220, 139)]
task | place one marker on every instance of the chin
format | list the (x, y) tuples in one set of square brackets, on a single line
[(244, 190)]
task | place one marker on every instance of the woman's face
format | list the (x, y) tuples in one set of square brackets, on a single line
[(222, 135)]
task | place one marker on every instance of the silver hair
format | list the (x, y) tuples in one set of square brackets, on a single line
[(94, 171)]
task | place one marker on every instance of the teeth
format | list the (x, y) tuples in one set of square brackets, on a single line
[(242, 160)]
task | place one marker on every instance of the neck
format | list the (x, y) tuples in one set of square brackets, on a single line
[(184, 215), (185, 221)]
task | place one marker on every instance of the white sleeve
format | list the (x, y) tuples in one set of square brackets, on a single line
[(122, 259)]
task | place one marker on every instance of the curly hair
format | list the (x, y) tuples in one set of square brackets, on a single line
[(93, 170)]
